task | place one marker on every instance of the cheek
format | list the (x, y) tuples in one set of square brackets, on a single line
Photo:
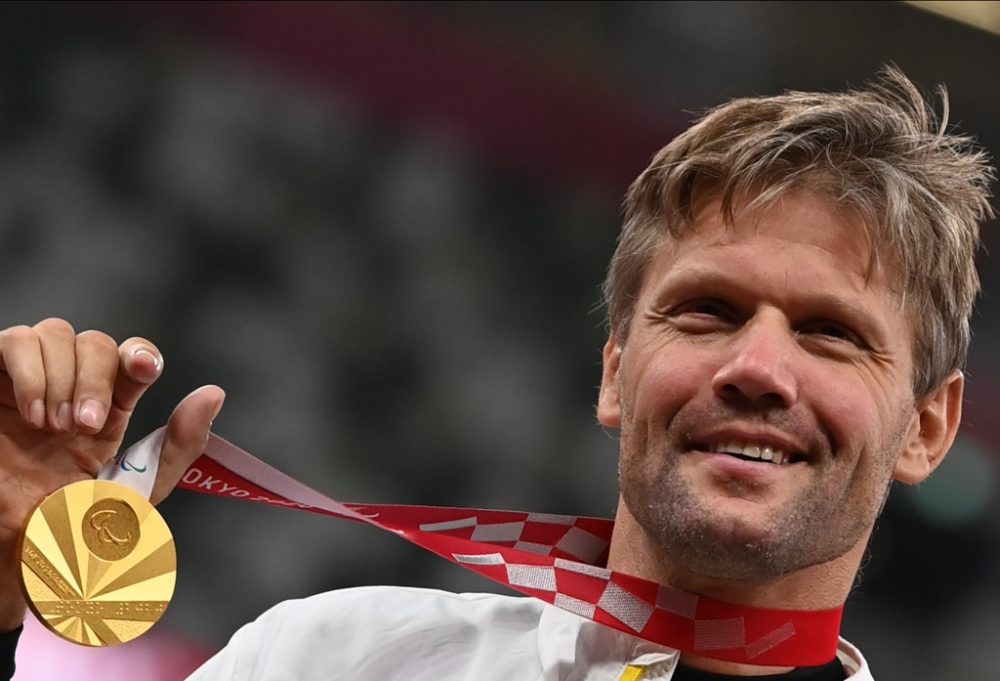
[(860, 415), (845, 409), (662, 381)]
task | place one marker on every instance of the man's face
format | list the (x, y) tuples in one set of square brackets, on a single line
[(763, 393)]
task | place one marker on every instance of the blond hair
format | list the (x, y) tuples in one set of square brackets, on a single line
[(920, 191)]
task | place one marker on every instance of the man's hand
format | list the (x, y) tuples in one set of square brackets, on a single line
[(65, 401)]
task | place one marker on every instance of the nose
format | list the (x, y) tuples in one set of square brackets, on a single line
[(758, 371)]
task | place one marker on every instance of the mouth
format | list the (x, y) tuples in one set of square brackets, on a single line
[(756, 452)]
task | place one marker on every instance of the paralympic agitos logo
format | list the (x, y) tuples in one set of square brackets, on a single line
[(127, 465), (110, 529)]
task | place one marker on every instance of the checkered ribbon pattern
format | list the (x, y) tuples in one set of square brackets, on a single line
[(555, 558)]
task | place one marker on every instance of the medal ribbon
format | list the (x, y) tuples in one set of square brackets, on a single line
[(555, 558)]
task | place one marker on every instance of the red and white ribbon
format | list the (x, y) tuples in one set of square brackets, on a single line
[(556, 558)]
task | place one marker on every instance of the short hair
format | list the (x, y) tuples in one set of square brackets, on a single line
[(920, 190)]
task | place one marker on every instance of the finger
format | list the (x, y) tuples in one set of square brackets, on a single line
[(58, 345), (184, 441), (21, 359), (141, 364), (96, 371)]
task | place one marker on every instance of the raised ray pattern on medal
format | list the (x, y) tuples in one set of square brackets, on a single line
[(46, 572), (56, 515)]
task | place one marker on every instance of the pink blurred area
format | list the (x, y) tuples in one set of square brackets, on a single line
[(159, 655)]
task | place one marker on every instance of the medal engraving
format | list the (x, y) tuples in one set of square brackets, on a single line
[(110, 529), (97, 563)]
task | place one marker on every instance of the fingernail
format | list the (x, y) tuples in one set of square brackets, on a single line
[(215, 413), (64, 416), (143, 352), (36, 413), (218, 407), (91, 414)]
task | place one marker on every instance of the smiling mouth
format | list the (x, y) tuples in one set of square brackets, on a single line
[(754, 452)]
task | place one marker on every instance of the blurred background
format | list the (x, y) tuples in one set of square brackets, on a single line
[(382, 229)]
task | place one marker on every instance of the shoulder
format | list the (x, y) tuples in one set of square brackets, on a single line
[(389, 610), (403, 595), (366, 627)]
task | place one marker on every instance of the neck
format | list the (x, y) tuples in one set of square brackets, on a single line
[(817, 587)]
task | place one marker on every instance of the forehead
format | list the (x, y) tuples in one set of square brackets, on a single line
[(797, 216), (800, 235)]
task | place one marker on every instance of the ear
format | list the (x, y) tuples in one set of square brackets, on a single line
[(935, 421), (609, 410)]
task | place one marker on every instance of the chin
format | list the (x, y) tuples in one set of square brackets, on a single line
[(737, 533), (727, 546), (744, 549)]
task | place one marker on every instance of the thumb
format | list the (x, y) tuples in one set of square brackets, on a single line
[(185, 437)]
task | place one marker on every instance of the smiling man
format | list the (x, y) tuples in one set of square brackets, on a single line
[(764, 395), (788, 309)]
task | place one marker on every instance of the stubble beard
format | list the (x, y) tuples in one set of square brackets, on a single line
[(816, 526)]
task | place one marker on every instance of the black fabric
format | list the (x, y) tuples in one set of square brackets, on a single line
[(8, 644), (833, 671)]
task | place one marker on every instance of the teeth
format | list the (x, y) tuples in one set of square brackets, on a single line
[(764, 453)]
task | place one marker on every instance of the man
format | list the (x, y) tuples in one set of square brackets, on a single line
[(788, 309)]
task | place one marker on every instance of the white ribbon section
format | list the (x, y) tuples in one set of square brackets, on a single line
[(136, 466)]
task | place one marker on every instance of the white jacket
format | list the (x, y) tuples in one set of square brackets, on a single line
[(394, 633)]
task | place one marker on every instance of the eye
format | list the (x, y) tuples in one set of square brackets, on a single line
[(831, 331), (702, 316), (706, 308)]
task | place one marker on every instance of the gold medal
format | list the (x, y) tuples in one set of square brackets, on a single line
[(97, 563)]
